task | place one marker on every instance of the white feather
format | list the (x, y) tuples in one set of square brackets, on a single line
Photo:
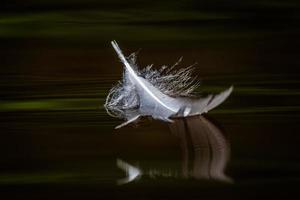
[(160, 93)]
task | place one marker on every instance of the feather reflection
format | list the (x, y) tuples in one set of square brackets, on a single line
[(205, 152)]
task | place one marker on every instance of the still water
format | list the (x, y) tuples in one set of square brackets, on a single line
[(57, 137), (57, 67)]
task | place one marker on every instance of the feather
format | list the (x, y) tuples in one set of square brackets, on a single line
[(162, 94)]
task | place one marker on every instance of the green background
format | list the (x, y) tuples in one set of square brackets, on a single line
[(57, 66)]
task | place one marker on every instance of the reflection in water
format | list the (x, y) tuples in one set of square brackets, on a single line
[(204, 148), (131, 171)]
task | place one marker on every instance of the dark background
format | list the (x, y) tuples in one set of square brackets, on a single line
[(57, 67)]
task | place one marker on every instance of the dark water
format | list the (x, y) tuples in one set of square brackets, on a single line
[(57, 66)]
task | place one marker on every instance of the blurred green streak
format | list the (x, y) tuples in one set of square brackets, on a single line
[(51, 104)]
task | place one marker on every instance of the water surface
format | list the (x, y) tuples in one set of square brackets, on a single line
[(57, 67)]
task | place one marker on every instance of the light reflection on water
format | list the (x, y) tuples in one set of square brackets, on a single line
[(205, 153)]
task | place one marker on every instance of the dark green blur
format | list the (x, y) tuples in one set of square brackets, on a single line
[(57, 67)]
